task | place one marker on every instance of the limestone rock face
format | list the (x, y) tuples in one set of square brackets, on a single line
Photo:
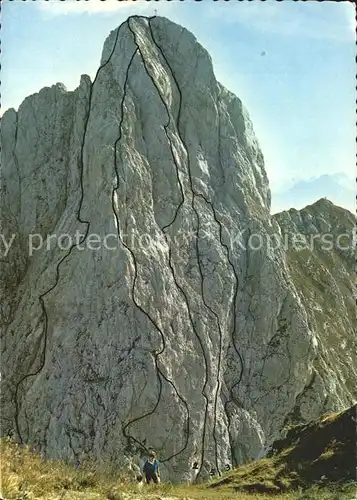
[(142, 305)]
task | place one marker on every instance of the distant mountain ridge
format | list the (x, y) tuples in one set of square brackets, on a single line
[(338, 188)]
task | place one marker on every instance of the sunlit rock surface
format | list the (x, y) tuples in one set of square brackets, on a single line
[(143, 303)]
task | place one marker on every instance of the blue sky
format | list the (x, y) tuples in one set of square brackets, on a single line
[(291, 63)]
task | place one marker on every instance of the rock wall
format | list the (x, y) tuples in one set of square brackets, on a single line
[(137, 308)]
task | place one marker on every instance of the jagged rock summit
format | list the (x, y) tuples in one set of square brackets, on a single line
[(141, 303)]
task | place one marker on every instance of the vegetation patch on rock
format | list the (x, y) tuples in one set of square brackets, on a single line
[(320, 453)]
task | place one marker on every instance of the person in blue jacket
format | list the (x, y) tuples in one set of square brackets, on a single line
[(151, 469)]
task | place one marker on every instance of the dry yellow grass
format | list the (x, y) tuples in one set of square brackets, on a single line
[(25, 476)]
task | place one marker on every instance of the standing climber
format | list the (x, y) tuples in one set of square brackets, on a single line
[(151, 469)]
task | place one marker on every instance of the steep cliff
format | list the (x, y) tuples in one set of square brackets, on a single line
[(142, 302)]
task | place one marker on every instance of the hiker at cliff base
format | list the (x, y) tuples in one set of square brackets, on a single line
[(151, 469)]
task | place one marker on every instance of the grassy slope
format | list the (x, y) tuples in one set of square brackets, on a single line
[(321, 452), (325, 447)]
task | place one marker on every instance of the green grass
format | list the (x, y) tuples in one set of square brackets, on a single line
[(25, 476)]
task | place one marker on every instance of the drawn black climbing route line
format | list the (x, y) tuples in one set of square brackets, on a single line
[(220, 349), (197, 252), (157, 354), (78, 216), (160, 374), (197, 255), (166, 127), (197, 216), (234, 302), (130, 422)]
